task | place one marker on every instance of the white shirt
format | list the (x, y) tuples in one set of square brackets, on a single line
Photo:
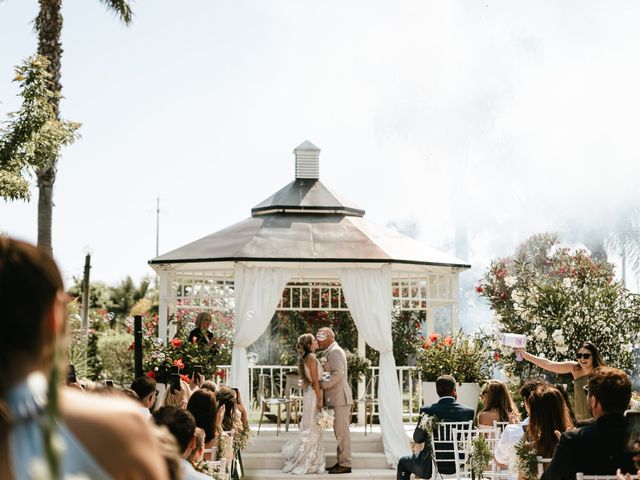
[(511, 435)]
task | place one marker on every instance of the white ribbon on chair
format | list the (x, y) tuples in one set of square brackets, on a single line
[(368, 295), (258, 291)]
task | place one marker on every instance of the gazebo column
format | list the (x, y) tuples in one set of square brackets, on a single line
[(455, 294), (362, 353), (167, 295), (430, 318)]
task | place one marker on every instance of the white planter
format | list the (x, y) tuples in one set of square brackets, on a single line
[(468, 394)]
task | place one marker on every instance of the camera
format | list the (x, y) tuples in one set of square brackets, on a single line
[(632, 437), (71, 374)]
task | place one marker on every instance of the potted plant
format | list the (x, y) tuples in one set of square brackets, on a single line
[(468, 358)]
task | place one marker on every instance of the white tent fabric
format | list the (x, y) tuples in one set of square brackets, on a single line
[(368, 294), (258, 291)]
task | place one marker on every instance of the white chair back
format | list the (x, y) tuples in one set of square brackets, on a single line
[(541, 465), (445, 446), (582, 476), (500, 425)]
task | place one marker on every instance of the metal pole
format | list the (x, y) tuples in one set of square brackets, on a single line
[(157, 224), (85, 294), (137, 339)]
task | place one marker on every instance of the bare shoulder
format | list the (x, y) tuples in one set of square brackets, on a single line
[(100, 422), (487, 418)]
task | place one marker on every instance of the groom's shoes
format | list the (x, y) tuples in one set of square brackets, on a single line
[(340, 469), (333, 467)]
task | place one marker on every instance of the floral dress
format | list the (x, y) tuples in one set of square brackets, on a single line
[(305, 454)]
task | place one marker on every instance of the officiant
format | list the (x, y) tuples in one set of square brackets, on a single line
[(201, 334)]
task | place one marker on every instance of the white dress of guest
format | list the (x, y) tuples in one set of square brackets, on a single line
[(305, 454)]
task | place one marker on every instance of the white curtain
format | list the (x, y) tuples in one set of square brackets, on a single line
[(368, 294), (257, 291)]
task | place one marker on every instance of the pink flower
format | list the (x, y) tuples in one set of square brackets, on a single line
[(194, 339), (178, 363), (176, 343), (434, 337), (448, 341), (426, 344)]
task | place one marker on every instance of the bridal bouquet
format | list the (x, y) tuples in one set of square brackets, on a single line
[(325, 418)]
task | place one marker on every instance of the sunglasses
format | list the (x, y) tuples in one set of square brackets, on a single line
[(583, 355)]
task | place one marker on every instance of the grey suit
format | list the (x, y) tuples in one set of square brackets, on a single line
[(337, 396)]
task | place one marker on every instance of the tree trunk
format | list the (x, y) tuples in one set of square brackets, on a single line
[(48, 24)]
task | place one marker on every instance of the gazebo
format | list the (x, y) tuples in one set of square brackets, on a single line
[(307, 238)]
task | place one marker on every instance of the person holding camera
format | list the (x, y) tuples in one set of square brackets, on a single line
[(587, 358)]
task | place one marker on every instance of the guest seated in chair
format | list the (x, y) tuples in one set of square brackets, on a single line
[(447, 409), (598, 448)]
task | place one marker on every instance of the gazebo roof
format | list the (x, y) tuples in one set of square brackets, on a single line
[(307, 222)]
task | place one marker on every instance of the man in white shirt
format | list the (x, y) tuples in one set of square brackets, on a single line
[(182, 425), (513, 433)]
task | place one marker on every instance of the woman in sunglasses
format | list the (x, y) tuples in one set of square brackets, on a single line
[(587, 358)]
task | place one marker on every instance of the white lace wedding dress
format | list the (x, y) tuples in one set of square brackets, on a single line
[(305, 454)]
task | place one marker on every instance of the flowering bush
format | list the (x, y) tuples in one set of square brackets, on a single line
[(158, 358), (560, 298), (467, 358)]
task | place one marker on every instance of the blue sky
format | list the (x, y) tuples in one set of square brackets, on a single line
[(502, 118)]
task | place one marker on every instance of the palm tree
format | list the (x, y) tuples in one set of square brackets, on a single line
[(48, 25)]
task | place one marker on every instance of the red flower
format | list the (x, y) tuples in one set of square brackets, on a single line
[(151, 374), (426, 344), (504, 295), (448, 341), (178, 363), (185, 378), (479, 289), (501, 273), (220, 373), (496, 355), (176, 343), (434, 337)]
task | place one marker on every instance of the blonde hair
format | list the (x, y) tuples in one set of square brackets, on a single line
[(178, 399), (303, 347), (202, 317)]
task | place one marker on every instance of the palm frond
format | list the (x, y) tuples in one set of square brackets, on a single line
[(122, 8)]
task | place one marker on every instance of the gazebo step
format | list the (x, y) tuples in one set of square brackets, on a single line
[(275, 461), (356, 474), (268, 442)]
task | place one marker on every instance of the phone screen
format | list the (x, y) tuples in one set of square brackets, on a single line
[(175, 382), (632, 443)]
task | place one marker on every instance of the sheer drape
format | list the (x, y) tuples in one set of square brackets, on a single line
[(257, 291), (368, 294)]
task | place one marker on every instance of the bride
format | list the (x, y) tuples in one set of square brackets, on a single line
[(305, 454)]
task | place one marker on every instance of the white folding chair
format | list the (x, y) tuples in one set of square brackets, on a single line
[(218, 467), (541, 464), (500, 425), (445, 448), (582, 476)]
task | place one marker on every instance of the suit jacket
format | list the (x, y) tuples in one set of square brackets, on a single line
[(447, 410), (337, 392), (596, 449)]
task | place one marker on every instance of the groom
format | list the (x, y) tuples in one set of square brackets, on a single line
[(337, 395)]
